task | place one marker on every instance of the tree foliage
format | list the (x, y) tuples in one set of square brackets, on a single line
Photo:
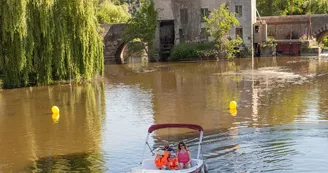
[(108, 12), (292, 7), (142, 25), (325, 41), (117, 2), (46, 40), (219, 24)]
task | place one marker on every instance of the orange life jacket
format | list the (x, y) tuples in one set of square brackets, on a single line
[(173, 163), (161, 160)]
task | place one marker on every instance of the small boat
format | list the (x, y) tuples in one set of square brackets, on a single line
[(148, 165)]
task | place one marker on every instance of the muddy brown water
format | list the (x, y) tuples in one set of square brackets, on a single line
[(281, 124)]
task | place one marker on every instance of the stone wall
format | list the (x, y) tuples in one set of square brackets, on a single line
[(170, 10), (247, 19), (281, 27), (164, 8), (190, 29), (281, 32)]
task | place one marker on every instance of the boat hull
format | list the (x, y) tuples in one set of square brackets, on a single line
[(197, 167)]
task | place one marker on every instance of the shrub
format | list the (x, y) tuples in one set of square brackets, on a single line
[(245, 52), (325, 41), (269, 43), (108, 12), (193, 51)]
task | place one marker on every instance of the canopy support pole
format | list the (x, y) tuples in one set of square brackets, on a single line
[(143, 152), (200, 143)]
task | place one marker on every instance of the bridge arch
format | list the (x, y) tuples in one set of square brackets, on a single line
[(115, 46), (113, 43), (119, 58), (321, 33)]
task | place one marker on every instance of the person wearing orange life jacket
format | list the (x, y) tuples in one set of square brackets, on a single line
[(173, 162), (161, 159)]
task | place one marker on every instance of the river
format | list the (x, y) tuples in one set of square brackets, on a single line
[(281, 124)]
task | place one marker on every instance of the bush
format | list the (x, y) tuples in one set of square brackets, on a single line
[(271, 42), (325, 41), (193, 51), (245, 52), (108, 12)]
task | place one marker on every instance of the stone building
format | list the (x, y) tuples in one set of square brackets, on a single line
[(182, 21)]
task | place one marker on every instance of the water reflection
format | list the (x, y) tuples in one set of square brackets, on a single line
[(129, 111), (28, 133), (281, 122), (79, 162), (277, 92)]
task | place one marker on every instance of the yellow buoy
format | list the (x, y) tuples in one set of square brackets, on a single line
[(55, 110), (233, 105), (55, 117), (233, 112)]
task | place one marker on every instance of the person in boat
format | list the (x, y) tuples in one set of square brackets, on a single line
[(173, 162), (167, 146), (184, 156), (161, 159)]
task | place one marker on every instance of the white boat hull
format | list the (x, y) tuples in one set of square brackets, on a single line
[(148, 166)]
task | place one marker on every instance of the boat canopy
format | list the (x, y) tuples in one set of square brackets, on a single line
[(162, 126)]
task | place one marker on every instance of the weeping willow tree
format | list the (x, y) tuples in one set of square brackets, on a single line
[(46, 40), (13, 31)]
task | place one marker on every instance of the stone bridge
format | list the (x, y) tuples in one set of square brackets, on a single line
[(297, 26), (114, 44)]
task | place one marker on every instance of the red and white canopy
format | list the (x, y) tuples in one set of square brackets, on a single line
[(162, 126)]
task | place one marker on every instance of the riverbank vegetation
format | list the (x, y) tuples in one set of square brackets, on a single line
[(49, 40), (193, 51), (291, 7)]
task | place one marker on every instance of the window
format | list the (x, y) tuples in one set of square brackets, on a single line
[(239, 10), (181, 36), (239, 32), (204, 34), (257, 29), (184, 16), (204, 13)]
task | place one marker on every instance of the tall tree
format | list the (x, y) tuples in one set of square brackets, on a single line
[(13, 33), (142, 26), (219, 24)]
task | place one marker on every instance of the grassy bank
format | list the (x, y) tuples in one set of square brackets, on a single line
[(97, 78)]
